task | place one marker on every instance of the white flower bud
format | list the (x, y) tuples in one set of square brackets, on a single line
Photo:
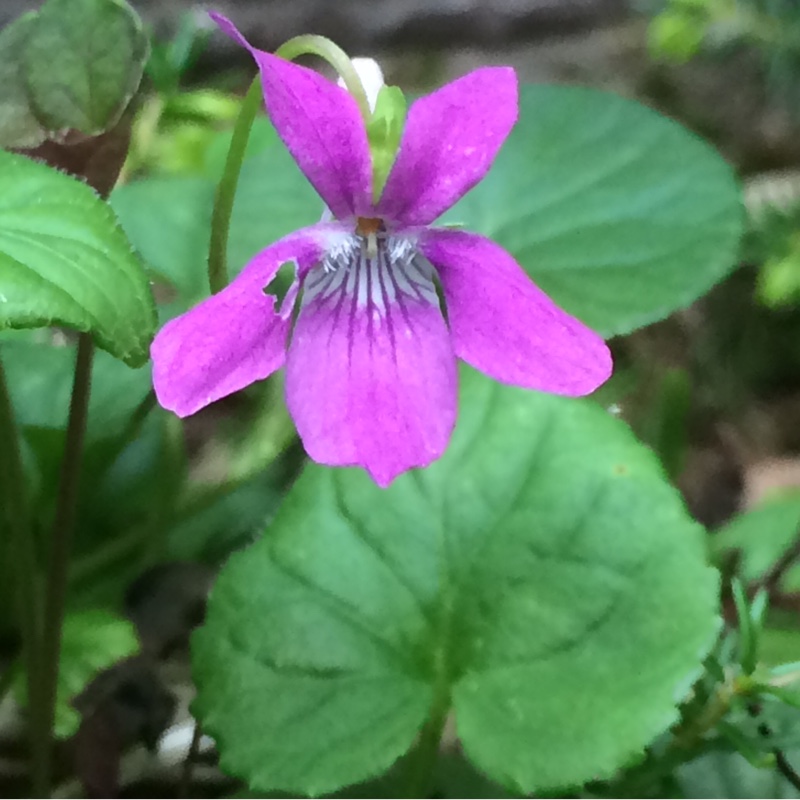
[(371, 76)]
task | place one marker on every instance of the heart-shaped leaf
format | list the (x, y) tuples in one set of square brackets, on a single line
[(542, 577), (618, 213), (65, 261)]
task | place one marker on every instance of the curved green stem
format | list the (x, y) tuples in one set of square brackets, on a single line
[(226, 189), (58, 572), (311, 45), (422, 761)]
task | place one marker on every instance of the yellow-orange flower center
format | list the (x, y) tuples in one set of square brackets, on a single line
[(366, 226)]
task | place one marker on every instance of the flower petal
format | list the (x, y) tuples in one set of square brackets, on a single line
[(321, 126), (235, 337), (450, 140), (508, 328), (371, 375)]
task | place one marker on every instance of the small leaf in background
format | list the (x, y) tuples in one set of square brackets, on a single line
[(678, 32), (618, 213), (65, 261), (83, 61), (760, 536), (19, 126), (730, 775), (779, 277), (525, 575), (92, 640), (170, 60)]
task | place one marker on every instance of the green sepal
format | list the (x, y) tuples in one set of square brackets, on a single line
[(384, 131)]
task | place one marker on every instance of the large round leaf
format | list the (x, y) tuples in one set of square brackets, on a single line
[(543, 575), (618, 213), (65, 261)]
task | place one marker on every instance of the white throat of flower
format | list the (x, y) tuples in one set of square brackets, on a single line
[(371, 75), (374, 274)]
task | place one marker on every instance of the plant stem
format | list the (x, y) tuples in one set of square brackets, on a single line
[(58, 571), (786, 769), (422, 761), (188, 764), (423, 758), (22, 549), (781, 762), (226, 189), (313, 45)]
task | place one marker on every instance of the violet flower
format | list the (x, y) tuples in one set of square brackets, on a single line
[(371, 375)]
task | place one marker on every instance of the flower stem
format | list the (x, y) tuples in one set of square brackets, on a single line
[(172, 462), (22, 549), (226, 189), (422, 761), (58, 571), (311, 45), (188, 764)]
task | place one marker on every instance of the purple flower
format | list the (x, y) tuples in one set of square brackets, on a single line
[(371, 374)]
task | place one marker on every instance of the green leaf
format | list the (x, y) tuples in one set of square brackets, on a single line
[(40, 376), (167, 218), (723, 774), (18, 124), (65, 261), (92, 640), (543, 574), (84, 61), (676, 35), (229, 519), (273, 200), (779, 646), (760, 535), (618, 213)]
